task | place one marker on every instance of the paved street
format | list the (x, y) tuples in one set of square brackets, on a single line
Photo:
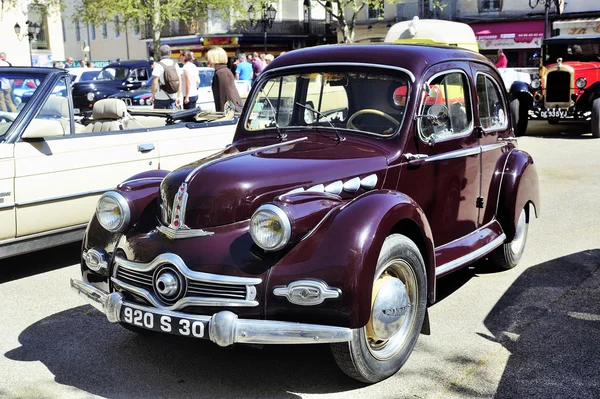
[(531, 332)]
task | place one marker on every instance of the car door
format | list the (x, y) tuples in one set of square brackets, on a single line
[(7, 206), (445, 182), (491, 115), (60, 172)]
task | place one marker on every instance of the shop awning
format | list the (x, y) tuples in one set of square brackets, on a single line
[(515, 35), (580, 26)]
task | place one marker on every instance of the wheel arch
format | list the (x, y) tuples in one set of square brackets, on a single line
[(522, 92)]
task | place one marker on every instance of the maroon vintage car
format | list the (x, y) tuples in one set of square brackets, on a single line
[(569, 88), (358, 176)]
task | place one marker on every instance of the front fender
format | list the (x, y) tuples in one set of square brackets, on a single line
[(519, 186), (522, 91), (584, 103), (343, 251)]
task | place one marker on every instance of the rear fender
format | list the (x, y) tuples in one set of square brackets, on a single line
[(584, 103), (519, 186), (344, 248)]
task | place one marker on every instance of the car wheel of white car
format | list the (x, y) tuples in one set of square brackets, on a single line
[(520, 117), (399, 299), (508, 255), (596, 118)]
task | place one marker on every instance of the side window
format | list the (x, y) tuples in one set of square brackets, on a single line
[(55, 115), (491, 108), (142, 74), (451, 91)]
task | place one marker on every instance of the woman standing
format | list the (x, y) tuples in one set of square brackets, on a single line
[(223, 84), (191, 80)]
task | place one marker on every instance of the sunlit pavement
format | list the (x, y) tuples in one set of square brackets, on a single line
[(530, 332)]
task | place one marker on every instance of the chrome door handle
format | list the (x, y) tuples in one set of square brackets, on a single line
[(145, 147), (507, 139), (414, 157)]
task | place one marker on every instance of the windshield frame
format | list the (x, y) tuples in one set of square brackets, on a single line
[(333, 67), (114, 79)]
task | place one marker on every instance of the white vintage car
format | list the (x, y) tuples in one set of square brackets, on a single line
[(53, 168)]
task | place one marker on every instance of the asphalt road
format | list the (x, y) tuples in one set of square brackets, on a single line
[(531, 332)]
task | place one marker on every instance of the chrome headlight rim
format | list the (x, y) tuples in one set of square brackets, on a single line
[(90, 96), (284, 221), (124, 210), (535, 83), (581, 82)]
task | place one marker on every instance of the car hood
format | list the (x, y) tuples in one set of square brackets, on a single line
[(131, 94), (82, 88), (580, 66), (229, 186)]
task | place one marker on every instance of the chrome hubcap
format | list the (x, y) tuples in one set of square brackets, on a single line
[(516, 246), (393, 310)]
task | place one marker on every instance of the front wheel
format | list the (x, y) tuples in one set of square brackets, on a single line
[(596, 118), (399, 299), (508, 255), (520, 116)]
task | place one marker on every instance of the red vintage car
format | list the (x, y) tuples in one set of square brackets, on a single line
[(358, 175), (569, 88)]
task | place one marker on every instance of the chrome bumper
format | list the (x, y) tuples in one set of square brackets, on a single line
[(224, 327)]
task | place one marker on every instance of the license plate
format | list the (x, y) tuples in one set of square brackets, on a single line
[(554, 113), (162, 323)]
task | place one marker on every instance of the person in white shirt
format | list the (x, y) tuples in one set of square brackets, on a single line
[(160, 98), (6, 102), (191, 80)]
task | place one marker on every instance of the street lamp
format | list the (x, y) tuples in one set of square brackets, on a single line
[(266, 19), (547, 4), (33, 29)]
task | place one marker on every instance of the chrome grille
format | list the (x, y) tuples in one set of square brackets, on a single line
[(135, 278), (558, 87), (210, 290)]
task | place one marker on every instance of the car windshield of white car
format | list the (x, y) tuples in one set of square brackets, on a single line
[(15, 90), (357, 101), (113, 73)]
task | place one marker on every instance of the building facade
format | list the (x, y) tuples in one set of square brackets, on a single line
[(38, 48)]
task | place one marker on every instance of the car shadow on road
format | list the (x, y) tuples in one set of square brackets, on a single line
[(563, 130), (46, 260), (549, 320), (81, 349)]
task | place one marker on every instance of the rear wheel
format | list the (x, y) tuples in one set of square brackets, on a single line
[(520, 116), (508, 255), (596, 118), (399, 299)]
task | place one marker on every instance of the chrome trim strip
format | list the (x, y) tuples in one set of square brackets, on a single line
[(465, 152), (62, 197), (6, 206), (335, 188), (224, 328), (455, 264), (345, 64), (183, 233), (492, 147), (183, 302), (45, 233), (176, 261)]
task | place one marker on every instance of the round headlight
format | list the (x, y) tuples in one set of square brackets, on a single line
[(581, 82), (270, 228), (142, 101), (113, 212), (149, 101), (535, 83), (90, 96)]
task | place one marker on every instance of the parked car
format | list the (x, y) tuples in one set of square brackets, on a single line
[(113, 78), (569, 87), (358, 175), (83, 74), (53, 169)]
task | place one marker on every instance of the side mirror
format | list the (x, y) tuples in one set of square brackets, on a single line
[(438, 114)]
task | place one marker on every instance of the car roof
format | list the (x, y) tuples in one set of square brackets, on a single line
[(412, 57)]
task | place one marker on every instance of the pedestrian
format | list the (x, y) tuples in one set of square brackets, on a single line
[(3, 58), (223, 84), (56, 64), (502, 60), (257, 66), (244, 69), (69, 63), (90, 64), (191, 80), (269, 58), (6, 102), (166, 83)]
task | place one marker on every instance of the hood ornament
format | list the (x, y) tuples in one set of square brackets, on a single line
[(177, 228), (559, 62)]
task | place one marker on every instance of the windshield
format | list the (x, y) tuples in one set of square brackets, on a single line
[(113, 73), (573, 51), (365, 102), (15, 91)]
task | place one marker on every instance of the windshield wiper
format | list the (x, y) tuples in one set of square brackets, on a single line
[(280, 135), (337, 134)]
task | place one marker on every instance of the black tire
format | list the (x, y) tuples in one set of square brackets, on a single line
[(508, 254), (366, 359), (596, 118), (520, 116), (553, 121)]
